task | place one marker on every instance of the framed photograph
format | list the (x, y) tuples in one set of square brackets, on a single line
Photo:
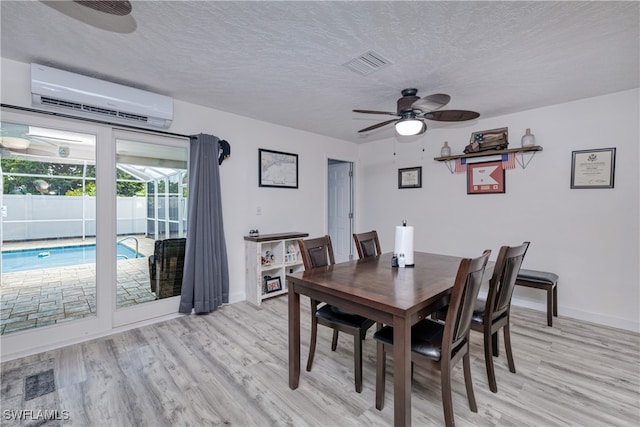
[(272, 284), (410, 177), (485, 178), (277, 169), (593, 168)]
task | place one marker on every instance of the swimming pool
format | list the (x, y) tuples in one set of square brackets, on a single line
[(35, 259)]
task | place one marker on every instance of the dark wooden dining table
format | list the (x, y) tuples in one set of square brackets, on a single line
[(372, 288)]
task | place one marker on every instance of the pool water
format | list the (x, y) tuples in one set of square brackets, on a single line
[(35, 259)]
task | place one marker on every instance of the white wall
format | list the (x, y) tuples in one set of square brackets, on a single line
[(282, 210), (589, 237)]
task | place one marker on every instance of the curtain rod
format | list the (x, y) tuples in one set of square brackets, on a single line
[(67, 116)]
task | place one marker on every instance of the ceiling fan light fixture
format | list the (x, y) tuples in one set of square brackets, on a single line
[(413, 112), (409, 126)]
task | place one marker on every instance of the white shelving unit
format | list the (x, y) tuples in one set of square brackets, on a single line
[(267, 258)]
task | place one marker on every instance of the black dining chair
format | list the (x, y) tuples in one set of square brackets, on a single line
[(492, 314), (367, 244), (317, 253), (441, 345)]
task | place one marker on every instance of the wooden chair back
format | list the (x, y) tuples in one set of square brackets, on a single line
[(463, 299), (503, 280), (367, 244), (316, 252)]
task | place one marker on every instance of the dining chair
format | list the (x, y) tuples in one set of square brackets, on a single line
[(318, 253), (493, 313), (367, 244), (441, 345)]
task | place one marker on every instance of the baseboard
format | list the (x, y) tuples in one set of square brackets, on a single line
[(237, 297), (599, 319)]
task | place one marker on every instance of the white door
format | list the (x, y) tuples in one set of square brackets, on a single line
[(340, 208)]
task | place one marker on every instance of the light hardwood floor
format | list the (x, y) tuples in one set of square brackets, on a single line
[(230, 368)]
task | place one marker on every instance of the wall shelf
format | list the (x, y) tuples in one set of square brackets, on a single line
[(532, 149)]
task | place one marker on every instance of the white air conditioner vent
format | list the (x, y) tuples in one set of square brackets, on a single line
[(88, 97), (60, 103), (92, 109)]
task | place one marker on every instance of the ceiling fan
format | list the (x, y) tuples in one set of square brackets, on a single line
[(413, 110)]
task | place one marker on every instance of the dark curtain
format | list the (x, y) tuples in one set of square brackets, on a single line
[(205, 283)]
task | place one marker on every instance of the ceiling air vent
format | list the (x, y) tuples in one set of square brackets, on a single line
[(367, 63)]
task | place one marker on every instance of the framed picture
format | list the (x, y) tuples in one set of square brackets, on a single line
[(485, 178), (593, 168), (410, 177), (272, 284), (277, 169)]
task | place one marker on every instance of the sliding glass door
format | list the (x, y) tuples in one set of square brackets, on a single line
[(151, 201), (48, 203), (85, 208)]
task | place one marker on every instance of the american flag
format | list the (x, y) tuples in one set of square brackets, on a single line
[(461, 165), (509, 161)]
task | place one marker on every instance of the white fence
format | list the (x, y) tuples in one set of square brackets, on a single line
[(35, 216)]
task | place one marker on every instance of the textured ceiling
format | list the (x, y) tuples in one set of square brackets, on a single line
[(282, 62)]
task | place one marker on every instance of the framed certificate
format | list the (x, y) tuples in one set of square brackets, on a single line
[(593, 168), (410, 177)]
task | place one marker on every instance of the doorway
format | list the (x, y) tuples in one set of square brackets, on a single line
[(340, 208)]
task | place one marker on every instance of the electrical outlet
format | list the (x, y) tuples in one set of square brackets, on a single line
[(258, 210)]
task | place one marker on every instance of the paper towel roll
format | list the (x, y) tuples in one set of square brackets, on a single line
[(404, 243)]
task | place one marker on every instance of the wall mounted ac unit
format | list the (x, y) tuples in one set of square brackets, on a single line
[(84, 96)]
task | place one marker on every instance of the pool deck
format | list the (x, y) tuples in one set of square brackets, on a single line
[(34, 298)]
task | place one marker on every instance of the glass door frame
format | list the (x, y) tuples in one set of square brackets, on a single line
[(37, 339), (145, 311), (107, 320)]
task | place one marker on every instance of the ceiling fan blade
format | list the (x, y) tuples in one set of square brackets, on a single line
[(451, 115), (375, 112), (431, 102), (378, 125), (117, 7)]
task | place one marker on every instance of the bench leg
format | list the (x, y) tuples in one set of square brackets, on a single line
[(550, 307), (552, 296)]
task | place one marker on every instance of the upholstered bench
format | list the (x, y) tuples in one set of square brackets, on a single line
[(545, 281)]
